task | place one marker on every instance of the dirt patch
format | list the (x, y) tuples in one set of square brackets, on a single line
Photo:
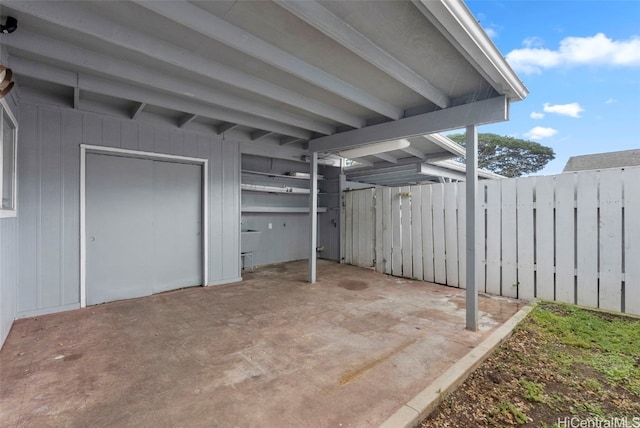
[(353, 284), (561, 362)]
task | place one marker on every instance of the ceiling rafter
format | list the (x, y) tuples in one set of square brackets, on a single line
[(76, 98), (82, 58), (332, 26), (48, 73), (218, 29), (414, 152), (289, 140), (187, 118), (225, 127), (257, 135), (385, 157), (98, 27), (137, 109)]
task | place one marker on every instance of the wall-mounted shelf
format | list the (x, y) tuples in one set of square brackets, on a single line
[(280, 209), (274, 189), (269, 174)]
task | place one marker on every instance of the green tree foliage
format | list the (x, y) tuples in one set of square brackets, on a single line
[(508, 156)]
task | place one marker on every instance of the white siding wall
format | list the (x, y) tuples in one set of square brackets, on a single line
[(8, 258), (49, 176)]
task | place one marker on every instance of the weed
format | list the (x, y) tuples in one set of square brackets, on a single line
[(592, 409), (533, 391), (591, 384), (506, 408)]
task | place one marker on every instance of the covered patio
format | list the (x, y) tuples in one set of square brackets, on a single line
[(274, 350)]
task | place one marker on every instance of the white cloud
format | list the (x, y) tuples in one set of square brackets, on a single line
[(610, 101), (533, 42), (571, 110), (536, 115), (538, 133), (574, 51)]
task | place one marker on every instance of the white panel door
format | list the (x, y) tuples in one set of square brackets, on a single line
[(143, 227), (177, 225)]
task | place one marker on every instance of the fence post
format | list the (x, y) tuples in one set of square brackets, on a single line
[(472, 194)]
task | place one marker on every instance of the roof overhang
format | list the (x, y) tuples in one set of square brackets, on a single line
[(283, 78)]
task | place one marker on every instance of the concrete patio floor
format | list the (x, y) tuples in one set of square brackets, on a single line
[(272, 351)]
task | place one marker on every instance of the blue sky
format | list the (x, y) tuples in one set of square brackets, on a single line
[(580, 61)]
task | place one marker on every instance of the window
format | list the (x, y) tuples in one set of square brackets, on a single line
[(8, 151)]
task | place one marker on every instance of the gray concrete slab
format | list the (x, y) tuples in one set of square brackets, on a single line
[(271, 351)]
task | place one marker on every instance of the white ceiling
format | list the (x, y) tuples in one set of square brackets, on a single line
[(275, 74)]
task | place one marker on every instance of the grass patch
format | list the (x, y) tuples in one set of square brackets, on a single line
[(561, 361)]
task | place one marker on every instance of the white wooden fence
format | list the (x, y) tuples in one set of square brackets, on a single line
[(572, 237)]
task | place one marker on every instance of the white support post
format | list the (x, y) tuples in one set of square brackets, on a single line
[(472, 262), (313, 216)]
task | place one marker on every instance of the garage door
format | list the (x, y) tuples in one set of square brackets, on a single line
[(143, 227)]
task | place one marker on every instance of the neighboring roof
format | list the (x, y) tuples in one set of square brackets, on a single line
[(603, 160), (415, 173), (277, 76)]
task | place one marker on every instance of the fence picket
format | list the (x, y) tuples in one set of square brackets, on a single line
[(610, 290), (544, 237), (587, 238), (509, 239), (407, 258), (348, 247), (358, 217), (461, 203), (386, 229), (378, 236), (525, 241), (396, 233), (565, 246), (439, 255), (451, 234), (481, 234), (427, 234), (370, 230), (416, 231), (493, 237), (632, 240)]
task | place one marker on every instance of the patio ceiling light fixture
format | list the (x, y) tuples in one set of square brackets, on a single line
[(374, 149), (6, 84)]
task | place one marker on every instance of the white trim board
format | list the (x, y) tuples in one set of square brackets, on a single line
[(87, 148)]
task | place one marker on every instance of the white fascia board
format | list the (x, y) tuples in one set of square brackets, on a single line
[(332, 26), (478, 113), (224, 32), (437, 171), (87, 24), (124, 70), (98, 85), (458, 166), (456, 22), (446, 143)]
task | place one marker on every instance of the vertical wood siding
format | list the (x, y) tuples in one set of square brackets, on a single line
[(48, 222), (572, 237)]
